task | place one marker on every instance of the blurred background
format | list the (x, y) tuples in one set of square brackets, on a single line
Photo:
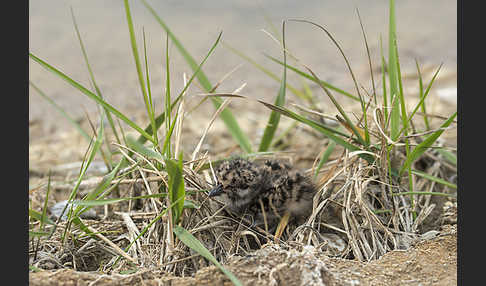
[(427, 31)]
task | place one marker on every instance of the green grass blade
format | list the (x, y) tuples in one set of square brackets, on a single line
[(269, 22), (423, 193), (63, 113), (405, 122), (235, 129), (422, 147), (138, 147), (404, 117), (138, 65), (91, 95), (226, 115), (189, 59), (311, 78), (329, 132), (421, 101), (38, 216), (383, 80), (102, 202), (177, 191), (159, 120), (369, 57), (44, 208), (91, 154), (268, 72), (435, 179), (145, 229), (188, 204), (91, 75), (188, 239), (393, 75), (364, 106), (35, 269), (323, 85), (33, 234), (340, 109), (342, 53), (281, 137), (274, 119), (168, 129), (101, 190), (150, 106), (449, 156), (325, 156), (421, 91), (82, 226)]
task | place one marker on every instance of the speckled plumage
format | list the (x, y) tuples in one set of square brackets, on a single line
[(242, 183)]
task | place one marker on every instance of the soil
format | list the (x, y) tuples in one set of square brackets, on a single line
[(429, 262), (54, 146)]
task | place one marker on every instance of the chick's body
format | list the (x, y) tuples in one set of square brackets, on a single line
[(247, 188)]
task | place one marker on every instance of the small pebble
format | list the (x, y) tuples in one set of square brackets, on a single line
[(56, 211)]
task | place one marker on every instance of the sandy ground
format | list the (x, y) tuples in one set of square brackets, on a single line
[(431, 262)]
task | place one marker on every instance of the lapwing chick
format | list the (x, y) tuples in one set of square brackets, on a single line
[(267, 192)]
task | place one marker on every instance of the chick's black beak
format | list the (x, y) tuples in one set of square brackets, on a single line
[(216, 191)]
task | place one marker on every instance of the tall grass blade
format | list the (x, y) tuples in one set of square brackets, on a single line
[(138, 65), (63, 113), (226, 115), (311, 78), (268, 72), (39, 217), (150, 106), (325, 156), (350, 124), (101, 190), (33, 234), (138, 147), (188, 239), (91, 95), (167, 144), (421, 102), (448, 156), (361, 100), (340, 50), (434, 179), (327, 131), (383, 80), (421, 93), (177, 191), (393, 75), (363, 107), (168, 129), (274, 119), (369, 56), (44, 208), (159, 120), (422, 147), (92, 151), (91, 75), (102, 202)]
